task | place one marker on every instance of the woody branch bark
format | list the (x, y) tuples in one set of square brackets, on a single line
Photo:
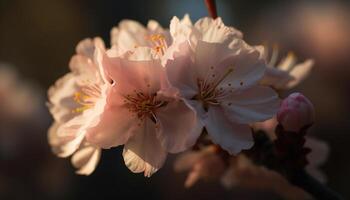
[(211, 6)]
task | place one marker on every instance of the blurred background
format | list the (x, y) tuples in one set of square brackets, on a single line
[(38, 37)]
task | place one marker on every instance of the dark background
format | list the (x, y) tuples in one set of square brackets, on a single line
[(38, 37)]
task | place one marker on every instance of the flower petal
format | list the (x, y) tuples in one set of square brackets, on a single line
[(252, 105), (130, 34), (186, 160), (61, 101), (143, 152), (179, 127), (86, 47), (63, 145), (215, 31), (116, 126), (287, 63), (86, 159), (300, 72), (138, 72), (180, 73), (213, 61), (276, 78), (230, 136), (247, 63)]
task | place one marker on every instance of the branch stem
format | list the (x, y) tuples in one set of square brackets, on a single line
[(211, 6)]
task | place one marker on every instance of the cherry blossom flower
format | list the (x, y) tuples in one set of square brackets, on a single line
[(287, 73), (77, 102), (150, 122), (219, 75), (130, 34), (204, 164)]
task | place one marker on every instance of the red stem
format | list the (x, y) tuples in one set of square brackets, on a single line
[(211, 8)]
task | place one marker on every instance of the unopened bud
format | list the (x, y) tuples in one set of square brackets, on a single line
[(296, 111)]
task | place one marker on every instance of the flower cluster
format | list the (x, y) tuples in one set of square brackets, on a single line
[(156, 91)]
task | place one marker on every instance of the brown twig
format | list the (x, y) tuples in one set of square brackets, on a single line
[(211, 6)]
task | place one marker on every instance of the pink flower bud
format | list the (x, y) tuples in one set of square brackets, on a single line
[(296, 111)]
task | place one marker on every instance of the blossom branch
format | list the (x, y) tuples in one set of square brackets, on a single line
[(211, 6)]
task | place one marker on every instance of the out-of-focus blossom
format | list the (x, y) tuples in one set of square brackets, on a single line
[(219, 77), (77, 102), (296, 111), (20, 100), (317, 157), (23, 120), (15, 95), (205, 164), (244, 173), (150, 121), (313, 28), (287, 73), (325, 31), (267, 126)]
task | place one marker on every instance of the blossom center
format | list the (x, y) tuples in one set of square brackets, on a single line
[(144, 105), (158, 43), (208, 91), (87, 97)]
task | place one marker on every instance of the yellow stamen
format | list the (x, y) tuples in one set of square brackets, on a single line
[(158, 40), (81, 99)]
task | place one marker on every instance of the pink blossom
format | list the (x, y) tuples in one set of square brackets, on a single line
[(77, 103), (150, 122), (295, 112), (130, 34), (219, 75)]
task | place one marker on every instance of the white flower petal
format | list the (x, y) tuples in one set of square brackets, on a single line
[(63, 145), (143, 152), (86, 159), (276, 78), (180, 73), (300, 72), (252, 105), (214, 30), (130, 34), (287, 63), (86, 47), (117, 125), (61, 101), (179, 127), (131, 75), (230, 136), (246, 62), (187, 160)]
